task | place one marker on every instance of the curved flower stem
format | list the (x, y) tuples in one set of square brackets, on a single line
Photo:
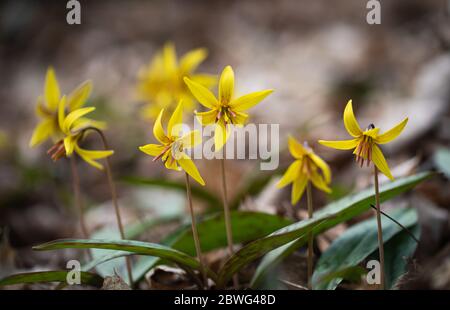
[(77, 198), (310, 235), (112, 188), (380, 230), (195, 232), (226, 211), (398, 223)]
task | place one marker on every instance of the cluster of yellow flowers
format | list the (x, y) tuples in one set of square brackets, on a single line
[(166, 81), (307, 164), (170, 86), (66, 131), (161, 86)]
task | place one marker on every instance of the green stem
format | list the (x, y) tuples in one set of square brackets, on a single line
[(226, 211), (310, 235), (113, 191), (198, 248), (379, 227), (77, 199)]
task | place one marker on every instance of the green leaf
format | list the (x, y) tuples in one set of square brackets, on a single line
[(351, 274), (356, 244), (51, 276), (442, 161), (261, 246), (136, 247), (103, 259), (108, 263), (197, 191), (246, 226), (397, 252), (339, 211)]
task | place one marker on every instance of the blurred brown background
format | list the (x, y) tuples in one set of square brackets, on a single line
[(315, 54)]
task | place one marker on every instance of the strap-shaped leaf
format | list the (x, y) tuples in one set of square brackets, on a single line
[(51, 276), (337, 212), (136, 247)]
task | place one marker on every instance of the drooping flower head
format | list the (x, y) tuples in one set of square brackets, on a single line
[(365, 143), (161, 85), (47, 108), (225, 109), (173, 144), (307, 167), (74, 126)]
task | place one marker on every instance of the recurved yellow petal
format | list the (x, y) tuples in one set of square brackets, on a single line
[(340, 145), (188, 165), (192, 59), (207, 118), (90, 156), (296, 149), (319, 182), (84, 122), (379, 161), (247, 101), (69, 144), (298, 188), (350, 122), (392, 133), (226, 85), (373, 133), (220, 135), (171, 163), (78, 97), (158, 130), (291, 174), (51, 89), (152, 149), (42, 132), (74, 116), (240, 119), (322, 165), (62, 112), (202, 94), (174, 127)]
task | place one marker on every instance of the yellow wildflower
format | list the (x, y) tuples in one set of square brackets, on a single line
[(365, 143), (161, 83), (306, 167), (73, 126), (226, 109), (47, 108), (173, 144)]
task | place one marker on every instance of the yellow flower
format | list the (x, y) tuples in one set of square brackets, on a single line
[(171, 149), (47, 108), (366, 142), (306, 167), (161, 82), (73, 126), (226, 109)]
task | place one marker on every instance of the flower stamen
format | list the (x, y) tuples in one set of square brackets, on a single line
[(162, 153), (57, 150)]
